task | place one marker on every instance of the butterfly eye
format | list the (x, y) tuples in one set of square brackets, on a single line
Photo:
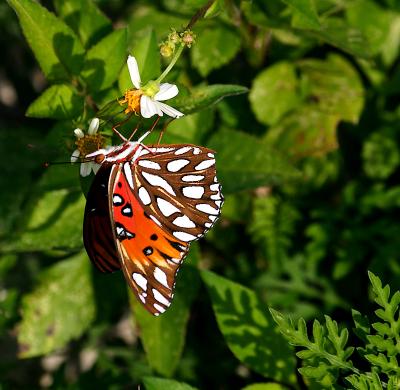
[(99, 158)]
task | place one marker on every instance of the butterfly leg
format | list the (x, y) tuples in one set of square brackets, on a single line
[(135, 130), (114, 128), (163, 130)]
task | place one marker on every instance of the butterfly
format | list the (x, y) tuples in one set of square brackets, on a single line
[(145, 207)]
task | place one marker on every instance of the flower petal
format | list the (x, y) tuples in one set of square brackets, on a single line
[(158, 108), (170, 110), (134, 71), (93, 127), (147, 107), (86, 168), (75, 155), (79, 133), (95, 167), (167, 91)]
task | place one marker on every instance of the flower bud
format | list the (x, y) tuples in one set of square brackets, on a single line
[(174, 37), (188, 38), (167, 49)]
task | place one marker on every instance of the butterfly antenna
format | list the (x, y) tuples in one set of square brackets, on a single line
[(46, 164)]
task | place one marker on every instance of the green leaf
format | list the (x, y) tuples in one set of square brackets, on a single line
[(306, 132), (339, 34), (83, 16), (55, 222), (105, 60), (56, 47), (274, 92), (59, 309), (151, 383), (334, 93), (190, 128), (17, 175), (373, 21), (306, 11), (264, 386), (245, 162), (336, 86), (202, 97), (145, 50), (249, 329), (225, 46), (57, 102), (163, 337), (162, 22)]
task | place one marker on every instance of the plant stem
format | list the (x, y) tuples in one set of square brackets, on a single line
[(171, 64), (199, 14)]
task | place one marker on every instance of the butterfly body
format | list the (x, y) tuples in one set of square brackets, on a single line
[(144, 208)]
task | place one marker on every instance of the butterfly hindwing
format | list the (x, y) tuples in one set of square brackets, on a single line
[(97, 233), (149, 254), (178, 187)]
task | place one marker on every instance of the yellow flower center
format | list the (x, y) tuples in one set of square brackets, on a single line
[(132, 99), (89, 144)]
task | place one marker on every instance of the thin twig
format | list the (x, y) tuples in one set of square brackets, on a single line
[(199, 14)]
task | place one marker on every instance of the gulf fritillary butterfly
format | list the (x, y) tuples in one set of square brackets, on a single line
[(144, 208)]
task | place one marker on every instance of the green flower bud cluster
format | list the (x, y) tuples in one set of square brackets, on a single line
[(186, 38)]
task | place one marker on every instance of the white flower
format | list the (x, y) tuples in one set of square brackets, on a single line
[(152, 105), (86, 167)]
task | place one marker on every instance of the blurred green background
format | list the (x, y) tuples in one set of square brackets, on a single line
[(308, 158)]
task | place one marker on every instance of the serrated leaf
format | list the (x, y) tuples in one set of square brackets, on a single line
[(152, 383), (56, 47), (145, 50), (249, 329), (243, 162), (318, 334), (306, 11), (163, 337), (362, 325), (83, 16), (314, 372), (51, 310), (225, 45), (54, 222), (203, 97), (274, 92), (105, 60), (57, 102)]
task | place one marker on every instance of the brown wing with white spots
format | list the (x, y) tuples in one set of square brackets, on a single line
[(177, 186), (150, 255)]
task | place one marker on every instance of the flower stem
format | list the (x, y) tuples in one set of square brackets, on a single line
[(171, 64)]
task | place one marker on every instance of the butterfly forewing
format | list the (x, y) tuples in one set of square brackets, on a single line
[(178, 187), (149, 254)]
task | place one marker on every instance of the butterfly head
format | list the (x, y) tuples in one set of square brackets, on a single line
[(117, 154)]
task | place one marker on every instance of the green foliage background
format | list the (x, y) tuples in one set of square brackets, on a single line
[(300, 99)]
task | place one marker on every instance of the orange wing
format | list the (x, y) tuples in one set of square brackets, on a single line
[(150, 255)]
